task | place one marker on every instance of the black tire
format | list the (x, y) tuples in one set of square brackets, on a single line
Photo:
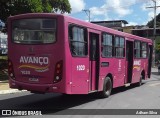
[(107, 88), (140, 81)]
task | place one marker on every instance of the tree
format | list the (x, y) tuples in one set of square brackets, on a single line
[(62, 5), (14, 7), (151, 23)]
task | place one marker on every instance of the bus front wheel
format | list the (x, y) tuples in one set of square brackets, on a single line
[(107, 88)]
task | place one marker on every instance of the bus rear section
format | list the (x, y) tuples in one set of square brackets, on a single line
[(36, 55)]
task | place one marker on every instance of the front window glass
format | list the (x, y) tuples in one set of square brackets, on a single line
[(34, 31)]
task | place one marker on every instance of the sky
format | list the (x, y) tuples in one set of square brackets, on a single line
[(133, 11)]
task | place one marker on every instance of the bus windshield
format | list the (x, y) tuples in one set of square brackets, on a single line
[(34, 31)]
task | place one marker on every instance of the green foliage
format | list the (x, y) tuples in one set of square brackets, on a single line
[(158, 48), (14, 7), (150, 23), (35, 6), (61, 5)]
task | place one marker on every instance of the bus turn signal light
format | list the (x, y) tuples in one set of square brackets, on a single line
[(10, 69)]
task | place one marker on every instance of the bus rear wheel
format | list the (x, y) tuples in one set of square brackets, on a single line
[(140, 81), (107, 88)]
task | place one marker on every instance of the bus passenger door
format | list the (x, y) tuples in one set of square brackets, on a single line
[(129, 61), (94, 61), (150, 60)]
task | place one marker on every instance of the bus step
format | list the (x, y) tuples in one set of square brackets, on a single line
[(127, 85)]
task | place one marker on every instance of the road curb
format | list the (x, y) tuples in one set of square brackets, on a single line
[(11, 91)]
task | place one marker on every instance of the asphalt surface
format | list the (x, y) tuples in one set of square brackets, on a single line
[(4, 87), (122, 101)]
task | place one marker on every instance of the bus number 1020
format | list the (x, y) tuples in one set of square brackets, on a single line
[(80, 67)]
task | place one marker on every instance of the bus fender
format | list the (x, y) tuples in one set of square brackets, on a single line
[(143, 74)]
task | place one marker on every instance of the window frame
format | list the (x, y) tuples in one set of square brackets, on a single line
[(42, 18), (119, 46), (144, 50), (137, 49), (70, 39), (107, 46)]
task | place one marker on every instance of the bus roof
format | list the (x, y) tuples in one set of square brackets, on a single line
[(106, 29), (82, 23)]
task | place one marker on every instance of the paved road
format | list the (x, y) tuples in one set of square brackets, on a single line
[(145, 97)]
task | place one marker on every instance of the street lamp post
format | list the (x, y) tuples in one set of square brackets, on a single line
[(154, 32), (88, 12)]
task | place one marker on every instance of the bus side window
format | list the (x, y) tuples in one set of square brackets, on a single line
[(144, 50), (78, 41), (119, 47), (73, 49), (107, 45), (137, 49)]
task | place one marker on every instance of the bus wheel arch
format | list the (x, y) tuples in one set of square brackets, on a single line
[(107, 86), (111, 77), (143, 75)]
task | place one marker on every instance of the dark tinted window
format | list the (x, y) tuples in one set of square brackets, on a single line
[(107, 45), (78, 41), (137, 49), (34, 31), (144, 50), (119, 46)]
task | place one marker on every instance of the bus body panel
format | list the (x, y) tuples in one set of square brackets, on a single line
[(139, 66), (118, 74), (35, 64), (39, 64), (78, 73)]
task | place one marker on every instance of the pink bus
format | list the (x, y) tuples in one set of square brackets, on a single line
[(56, 53)]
